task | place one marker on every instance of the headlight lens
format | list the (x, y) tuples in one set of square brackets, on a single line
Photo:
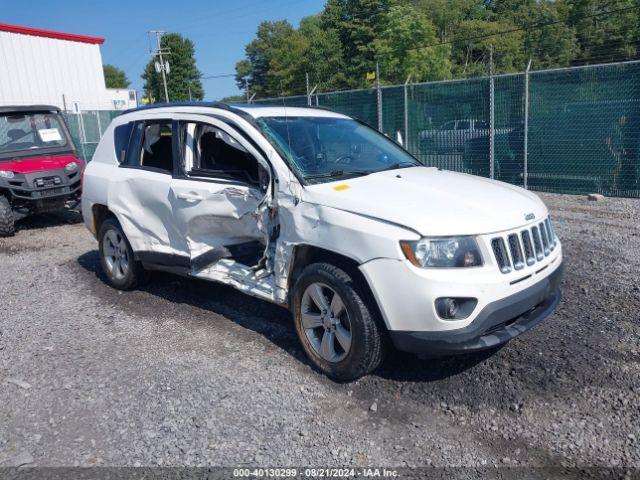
[(443, 252), (70, 167), (6, 174)]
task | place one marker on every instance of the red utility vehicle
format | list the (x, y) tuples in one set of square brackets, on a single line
[(39, 169)]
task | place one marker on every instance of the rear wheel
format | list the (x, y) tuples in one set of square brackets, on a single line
[(336, 327), (116, 257), (7, 221)]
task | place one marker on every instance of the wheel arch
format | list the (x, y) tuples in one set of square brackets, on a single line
[(305, 254), (100, 213)]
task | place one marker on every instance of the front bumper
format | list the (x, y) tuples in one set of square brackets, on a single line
[(497, 323), (36, 187)]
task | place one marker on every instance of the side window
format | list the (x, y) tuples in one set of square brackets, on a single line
[(121, 136), (151, 146), (463, 125), (211, 152)]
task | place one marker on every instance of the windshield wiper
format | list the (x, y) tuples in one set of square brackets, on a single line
[(397, 165), (337, 173)]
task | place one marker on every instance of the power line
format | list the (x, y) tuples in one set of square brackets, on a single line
[(221, 75)]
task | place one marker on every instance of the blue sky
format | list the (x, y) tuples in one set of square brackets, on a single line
[(219, 29)]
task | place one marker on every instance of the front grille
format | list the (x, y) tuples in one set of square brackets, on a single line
[(524, 250), (528, 247), (545, 239), (516, 251), (502, 257), (553, 239), (537, 244)]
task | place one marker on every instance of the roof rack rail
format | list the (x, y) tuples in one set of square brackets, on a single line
[(232, 107), (151, 106)]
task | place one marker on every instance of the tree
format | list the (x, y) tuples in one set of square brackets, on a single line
[(604, 37), (183, 76), (324, 60), (358, 23), (340, 45), (272, 39), (280, 57), (554, 45), (477, 38), (396, 49), (114, 77), (547, 40), (446, 14)]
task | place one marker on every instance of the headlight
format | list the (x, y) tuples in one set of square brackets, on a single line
[(6, 174), (443, 252), (70, 167)]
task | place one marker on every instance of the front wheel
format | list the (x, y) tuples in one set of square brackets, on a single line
[(336, 327), (123, 271), (7, 220)]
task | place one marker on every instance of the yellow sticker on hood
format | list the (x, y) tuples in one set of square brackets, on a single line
[(341, 187)]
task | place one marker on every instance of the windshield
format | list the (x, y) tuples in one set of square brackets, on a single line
[(322, 149), (30, 131)]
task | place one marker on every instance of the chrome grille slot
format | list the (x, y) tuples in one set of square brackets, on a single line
[(516, 251), (545, 239), (502, 257), (537, 244), (528, 248), (553, 240)]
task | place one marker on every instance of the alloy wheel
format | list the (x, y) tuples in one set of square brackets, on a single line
[(115, 254), (326, 322)]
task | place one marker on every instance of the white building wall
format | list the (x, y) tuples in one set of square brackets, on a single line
[(122, 98), (40, 70)]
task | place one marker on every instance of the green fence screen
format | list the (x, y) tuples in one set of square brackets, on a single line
[(581, 133)]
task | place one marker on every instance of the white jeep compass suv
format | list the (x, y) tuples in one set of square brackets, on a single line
[(318, 212)]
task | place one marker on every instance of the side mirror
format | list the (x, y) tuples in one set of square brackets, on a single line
[(399, 138)]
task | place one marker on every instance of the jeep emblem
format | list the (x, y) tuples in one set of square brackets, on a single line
[(529, 216)]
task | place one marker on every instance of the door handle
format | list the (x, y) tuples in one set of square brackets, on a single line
[(190, 197)]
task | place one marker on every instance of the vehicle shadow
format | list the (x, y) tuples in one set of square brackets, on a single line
[(269, 320), (405, 367), (49, 219)]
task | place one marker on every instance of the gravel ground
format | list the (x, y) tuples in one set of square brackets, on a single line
[(190, 373)]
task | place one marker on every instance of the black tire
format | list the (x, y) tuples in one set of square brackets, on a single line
[(7, 222), (367, 346), (134, 275)]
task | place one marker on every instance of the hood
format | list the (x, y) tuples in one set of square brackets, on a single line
[(37, 164), (431, 201)]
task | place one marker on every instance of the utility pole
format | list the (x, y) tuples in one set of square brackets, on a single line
[(161, 66), (306, 76), (492, 118), (525, 160), (379, 96), (406, 112)]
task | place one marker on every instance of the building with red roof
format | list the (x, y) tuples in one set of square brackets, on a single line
[(49, 67)]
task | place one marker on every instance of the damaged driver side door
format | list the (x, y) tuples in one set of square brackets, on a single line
[(220, 199)]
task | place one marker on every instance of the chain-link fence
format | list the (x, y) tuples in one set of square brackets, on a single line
[(87, 127), (570, 130)]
